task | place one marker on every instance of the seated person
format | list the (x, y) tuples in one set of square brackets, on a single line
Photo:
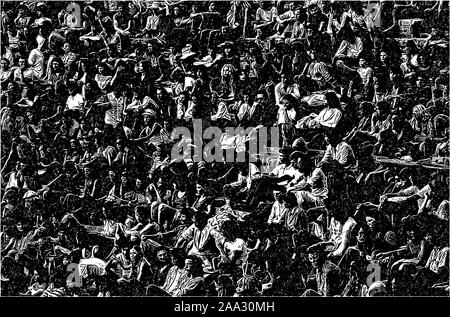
[(207, 241)]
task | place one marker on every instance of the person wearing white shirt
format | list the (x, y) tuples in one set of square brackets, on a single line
[(36, 62), (75, 101)]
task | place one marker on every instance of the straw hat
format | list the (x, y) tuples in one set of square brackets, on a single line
[(187, 52)]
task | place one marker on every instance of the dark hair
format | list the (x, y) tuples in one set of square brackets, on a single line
[(396, 70), (289, 198), (332, 99), (198, 270), (384, 106)]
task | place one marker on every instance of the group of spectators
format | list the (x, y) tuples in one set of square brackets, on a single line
[(94, 203)]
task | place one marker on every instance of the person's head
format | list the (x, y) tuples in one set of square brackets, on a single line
[(333, 138), (420, 81), (88, 172), (418, 111), (412, 233), (160, 183), (200, 189), (313, 8), (382, 108), (225, 29), (72, 88), (135, 254), (288, 101), (142, 67), (285, 152), (305, 164), (120, 144), (395, 74), (73, 144), (299, 16), (20, 225), (124, 178), (162, 255), (289, 200), (159, 94), (139, 184), (66, 47), (65, 260), (193, 265), (200, 220), (383, 56), (183, 97), (121, 7), (182, 217), (312, 54), (227, 71), (316, 255), (310, 31), (177, 11), (243, 75), (112, 176), (360, 236), (30, 115), (22, 62), (178, 256), (227, 50), (132, 7), (124, 250), (362, 62), (261, 98), (332, 99), (421, 59), (40, 9), (4, 63), (365, 109), (56, 65), (102, 68), (21, 10), (224, 286), (406, 54)]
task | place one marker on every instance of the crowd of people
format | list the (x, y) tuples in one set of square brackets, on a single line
[(94, 202)]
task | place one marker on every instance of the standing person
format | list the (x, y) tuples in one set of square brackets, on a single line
[(325, 277), (381, 71), (287, 117), (366, 74)]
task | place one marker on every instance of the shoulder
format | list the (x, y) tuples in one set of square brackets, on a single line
[(330, 268), (344, 145)]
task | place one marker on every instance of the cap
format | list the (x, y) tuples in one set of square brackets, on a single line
[(300, 145), (226, 44), (318, 247)]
